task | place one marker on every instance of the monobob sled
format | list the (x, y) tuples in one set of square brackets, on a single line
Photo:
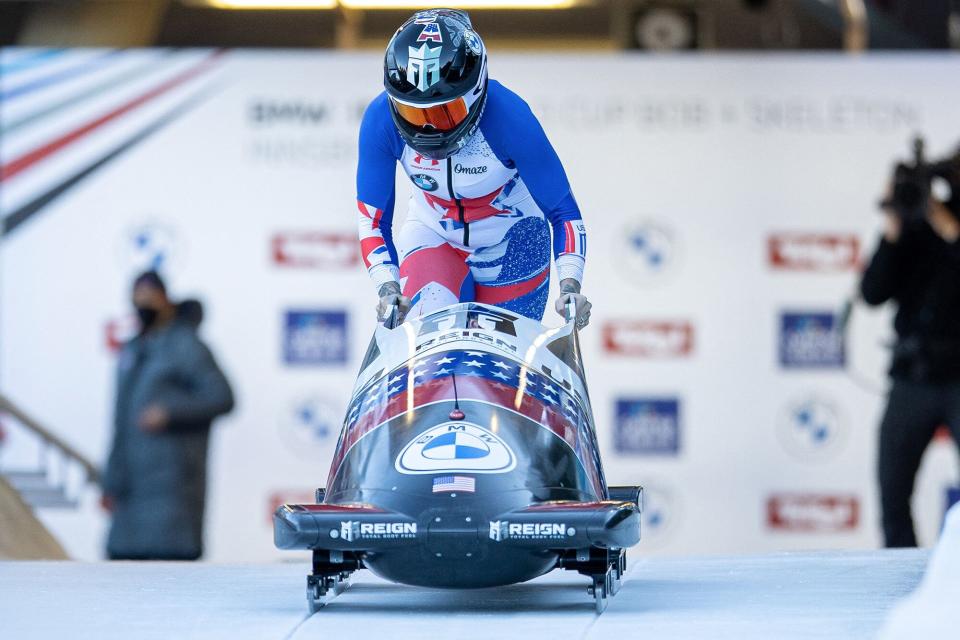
[(468, 458)]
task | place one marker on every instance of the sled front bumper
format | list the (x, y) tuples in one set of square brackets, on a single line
[(612, 524)]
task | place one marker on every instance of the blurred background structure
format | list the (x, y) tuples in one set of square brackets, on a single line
[(514, 24), (730, 196)]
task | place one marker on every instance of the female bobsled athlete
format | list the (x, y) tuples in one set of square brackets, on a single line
[(486, 182)]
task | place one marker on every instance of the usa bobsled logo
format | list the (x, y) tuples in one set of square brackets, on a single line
[(454, 447), (811, 340), (501, 530), (430, 33), (315, 337), (648, 426)]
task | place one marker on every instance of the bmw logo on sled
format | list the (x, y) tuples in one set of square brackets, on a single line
[(468, 458)]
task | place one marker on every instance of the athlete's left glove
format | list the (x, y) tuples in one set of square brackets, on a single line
[(390, 296), (570, 292)]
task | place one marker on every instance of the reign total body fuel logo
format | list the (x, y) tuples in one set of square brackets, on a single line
[(353, 531), (501, 530)]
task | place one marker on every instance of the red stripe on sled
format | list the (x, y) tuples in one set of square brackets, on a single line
[(469, 388)]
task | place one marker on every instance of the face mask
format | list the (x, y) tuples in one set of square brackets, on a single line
[(147, 316)]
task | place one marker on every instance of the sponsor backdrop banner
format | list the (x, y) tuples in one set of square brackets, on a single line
[(729, 201)]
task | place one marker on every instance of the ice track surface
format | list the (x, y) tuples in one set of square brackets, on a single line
[(796, 595)]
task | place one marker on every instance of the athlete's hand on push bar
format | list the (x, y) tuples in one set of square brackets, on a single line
[(570, 294), (390, 296)]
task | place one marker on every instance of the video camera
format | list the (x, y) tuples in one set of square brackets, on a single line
[(913, 184)]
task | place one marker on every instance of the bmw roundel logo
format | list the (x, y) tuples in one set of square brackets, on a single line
[(812, 428), (456, 446), (473, 41), (650, 252), (424, 181)]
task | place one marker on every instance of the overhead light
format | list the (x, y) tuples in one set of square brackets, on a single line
[(271, 4), (460, 4)]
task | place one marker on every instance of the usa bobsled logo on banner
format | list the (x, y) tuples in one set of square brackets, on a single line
[(811, 340), (315, 337), (456, 446), (648, 425)]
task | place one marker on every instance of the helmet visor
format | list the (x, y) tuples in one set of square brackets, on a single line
[(441, 117)]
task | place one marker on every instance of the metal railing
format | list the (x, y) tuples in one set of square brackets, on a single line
[(35, 480)]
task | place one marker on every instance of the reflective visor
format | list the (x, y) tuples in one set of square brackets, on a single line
[(442, 117)]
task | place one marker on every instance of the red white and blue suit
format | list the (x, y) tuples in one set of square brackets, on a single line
[(478, 223)]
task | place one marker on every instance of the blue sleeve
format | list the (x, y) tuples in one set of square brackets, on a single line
[(516, 137), (380, 147)]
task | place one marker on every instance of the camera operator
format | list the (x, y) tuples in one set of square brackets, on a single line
[(917, 265)]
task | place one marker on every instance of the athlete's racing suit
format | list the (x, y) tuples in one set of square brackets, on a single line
[(476, 228)]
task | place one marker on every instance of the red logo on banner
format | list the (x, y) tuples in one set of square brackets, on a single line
[(293, 496), (316, 249), (813, 512), (814, 251), (648, 338)]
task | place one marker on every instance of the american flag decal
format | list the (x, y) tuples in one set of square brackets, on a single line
[(454, 483)]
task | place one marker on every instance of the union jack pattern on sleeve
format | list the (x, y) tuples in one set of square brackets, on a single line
[(373, 247)]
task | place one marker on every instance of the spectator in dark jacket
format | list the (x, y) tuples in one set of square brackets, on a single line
[(169, 390)]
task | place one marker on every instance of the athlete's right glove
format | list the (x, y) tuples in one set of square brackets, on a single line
[(390, 295)]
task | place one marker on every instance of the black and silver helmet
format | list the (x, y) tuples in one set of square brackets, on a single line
[(435, 73)]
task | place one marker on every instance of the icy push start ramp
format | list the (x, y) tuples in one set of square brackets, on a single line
[(798, 595), (931, 612)]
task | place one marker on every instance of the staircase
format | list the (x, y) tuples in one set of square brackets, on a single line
[(55, 481)]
